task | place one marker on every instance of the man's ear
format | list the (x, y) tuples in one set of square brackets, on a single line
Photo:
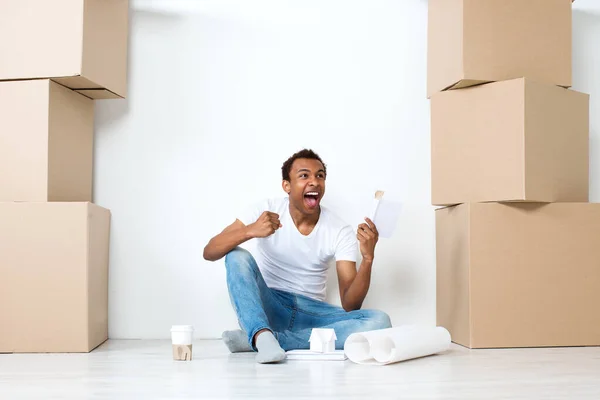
[(286, 186)]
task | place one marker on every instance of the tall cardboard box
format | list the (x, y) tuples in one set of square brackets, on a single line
[(519, 275), (516, 140), (46, 142), (476, 41), (80, 43), (53, 277)]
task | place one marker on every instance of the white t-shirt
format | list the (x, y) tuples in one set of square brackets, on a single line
[(293, 262)]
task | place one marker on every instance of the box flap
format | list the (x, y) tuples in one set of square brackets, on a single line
[(98, 94)]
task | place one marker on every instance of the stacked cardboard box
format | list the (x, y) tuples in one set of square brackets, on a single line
[(57, 58), (518, 255)]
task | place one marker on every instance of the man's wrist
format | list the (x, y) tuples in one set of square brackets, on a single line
[(248, 232), (368, 260)]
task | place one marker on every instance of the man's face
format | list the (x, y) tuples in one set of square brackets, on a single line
[(307, 185)]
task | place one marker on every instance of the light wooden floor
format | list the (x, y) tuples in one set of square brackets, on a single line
[(144, 370)]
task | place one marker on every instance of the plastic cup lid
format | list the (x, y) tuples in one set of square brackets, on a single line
[(182, 328)]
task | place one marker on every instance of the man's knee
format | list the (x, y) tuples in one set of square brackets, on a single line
[(240, 260), (377, 320)]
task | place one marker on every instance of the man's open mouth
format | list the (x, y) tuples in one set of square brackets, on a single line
[(311, 199)]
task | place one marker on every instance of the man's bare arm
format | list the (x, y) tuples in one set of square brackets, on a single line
[(231, 237), (353, 285), (238, 233)]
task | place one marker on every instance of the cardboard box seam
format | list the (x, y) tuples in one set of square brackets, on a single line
[(469, 233), (87, 271)]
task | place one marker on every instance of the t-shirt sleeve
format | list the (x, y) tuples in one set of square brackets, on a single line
[(347, 245), (250, 214)]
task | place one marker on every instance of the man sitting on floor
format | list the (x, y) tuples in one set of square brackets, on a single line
[(279, 292)]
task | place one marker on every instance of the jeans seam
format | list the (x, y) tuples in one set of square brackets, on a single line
[(294, 312), (283, 305), (274, 294), (316, 314), (324, 315)]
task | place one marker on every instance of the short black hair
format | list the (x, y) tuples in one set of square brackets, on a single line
[(304, 153)]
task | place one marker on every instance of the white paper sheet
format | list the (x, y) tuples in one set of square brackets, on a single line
[(337, 355), (385, 214), (387, 346)]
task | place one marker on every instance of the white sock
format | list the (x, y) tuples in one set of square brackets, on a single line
[(269, 350)]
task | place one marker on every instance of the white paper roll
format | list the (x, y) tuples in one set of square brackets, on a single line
[(387, 346)]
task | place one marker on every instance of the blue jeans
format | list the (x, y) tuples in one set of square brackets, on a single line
[(289, 316)]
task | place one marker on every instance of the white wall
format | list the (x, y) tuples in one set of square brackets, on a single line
[(221, 93), (586, 77)]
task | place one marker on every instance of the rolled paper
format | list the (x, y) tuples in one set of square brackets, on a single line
[(392, 345)]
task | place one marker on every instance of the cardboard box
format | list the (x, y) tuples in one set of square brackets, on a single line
[(476, 41), (519, 275), (53, 277), (515, 140), (46, 142), (81, 44)]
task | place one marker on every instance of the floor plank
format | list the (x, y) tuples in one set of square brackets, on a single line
[(129, 369)]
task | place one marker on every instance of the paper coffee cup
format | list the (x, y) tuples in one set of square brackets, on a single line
[(181, 338)]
